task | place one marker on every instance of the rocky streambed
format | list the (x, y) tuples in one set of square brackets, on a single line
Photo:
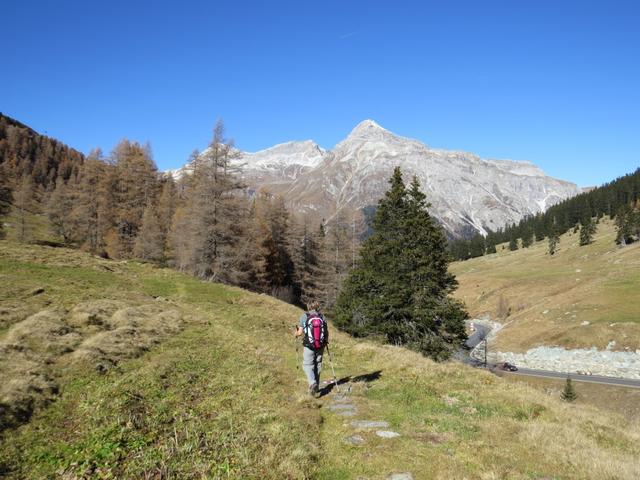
[(606, 362)]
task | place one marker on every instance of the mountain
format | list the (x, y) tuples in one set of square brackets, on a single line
[(468, 194)]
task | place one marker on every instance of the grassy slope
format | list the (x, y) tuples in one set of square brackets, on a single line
[(223, 398), (597, 283), (623, 400)]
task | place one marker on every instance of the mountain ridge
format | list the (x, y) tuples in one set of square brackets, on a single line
[(468, 194)]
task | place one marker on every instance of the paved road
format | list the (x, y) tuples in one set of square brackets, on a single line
[(477, 336), (481, 331), (623, 382)]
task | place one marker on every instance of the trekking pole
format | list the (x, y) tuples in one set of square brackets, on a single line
[(335, 379), (295, 340)]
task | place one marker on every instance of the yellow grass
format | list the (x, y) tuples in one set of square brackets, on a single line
[(547, 298)]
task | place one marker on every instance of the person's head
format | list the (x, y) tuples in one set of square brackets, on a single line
[(313, 305)]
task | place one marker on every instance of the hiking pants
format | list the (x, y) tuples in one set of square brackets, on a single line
[(312, 364)]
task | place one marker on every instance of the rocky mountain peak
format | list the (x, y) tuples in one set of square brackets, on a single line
[(468, 194), (368, 129)]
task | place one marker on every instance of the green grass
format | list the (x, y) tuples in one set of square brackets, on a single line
[(223, 398), (193, 406)]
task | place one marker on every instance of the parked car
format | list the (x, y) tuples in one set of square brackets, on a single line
[(509, 367)]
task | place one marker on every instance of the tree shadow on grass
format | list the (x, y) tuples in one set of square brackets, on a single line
[(367, 377)]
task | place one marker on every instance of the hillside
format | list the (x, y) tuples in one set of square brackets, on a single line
[(23, 151), (579, 298), (134, 371)]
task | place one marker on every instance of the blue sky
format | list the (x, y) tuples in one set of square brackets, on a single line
[(553, 82)]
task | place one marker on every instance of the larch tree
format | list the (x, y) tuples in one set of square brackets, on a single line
[(179, 239), (337, 256), (276, 267), (94, 205), (58, 209), (401, 286), (24, 205), (136, 185), (306, 257), (6, 198), (216, 212), (149, 244), (167, 203)]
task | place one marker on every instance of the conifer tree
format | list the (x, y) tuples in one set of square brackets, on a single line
[(513, 243), (491, 242), (275, 269), (306, 258), (24, 205), (477, 246), (624, 225), (149, 244), (527, 237), (400, 287), (135, 186), (554, 238), (337, 256), (5, 199), (569, 394), (539, 228), (587, 231), (94, 203), (167, 204), (179, 239), (58, 209), (215, 213)]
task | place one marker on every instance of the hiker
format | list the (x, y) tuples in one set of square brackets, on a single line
[(313, 328)]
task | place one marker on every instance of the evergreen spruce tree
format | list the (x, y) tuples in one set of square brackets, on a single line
[(513, 243), (491, 242), (569, 394), (277, 268), (624, 225), (527, 237), (477, 246), (587, 230), (539, 227), (401, 285), (554, 238)]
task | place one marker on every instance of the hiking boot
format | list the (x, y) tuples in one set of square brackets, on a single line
[(313, 390)]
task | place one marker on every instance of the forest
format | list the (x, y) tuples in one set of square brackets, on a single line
[(619, 200), (206, 223)]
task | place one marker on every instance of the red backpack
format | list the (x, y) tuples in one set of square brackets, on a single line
[(316, 333)]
